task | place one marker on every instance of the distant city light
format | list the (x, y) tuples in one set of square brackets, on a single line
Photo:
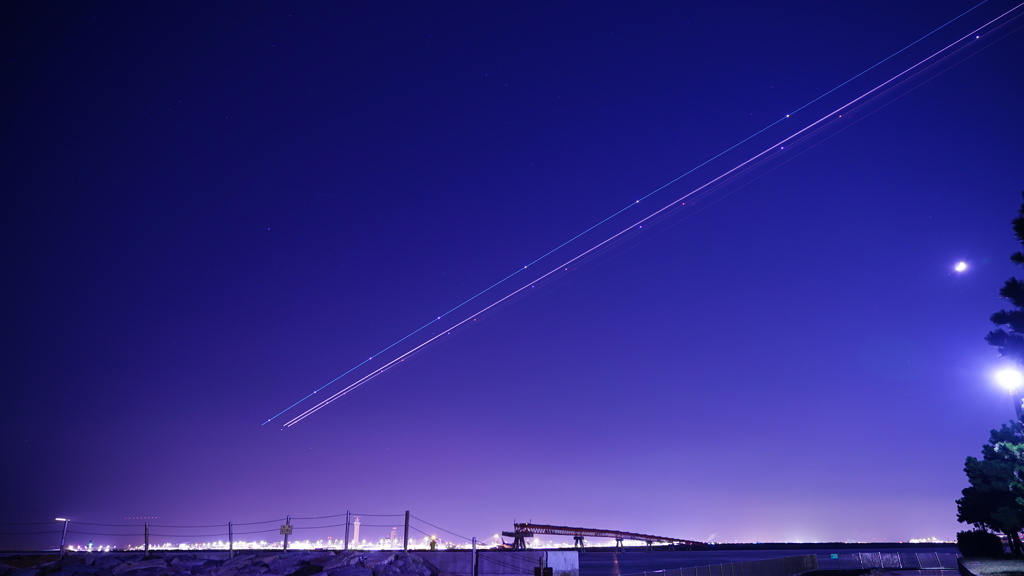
[(423, 543)]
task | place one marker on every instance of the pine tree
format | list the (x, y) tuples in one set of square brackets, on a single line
[(995, 498), (1009, 336)]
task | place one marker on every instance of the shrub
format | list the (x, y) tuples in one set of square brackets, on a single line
[(979, 544)]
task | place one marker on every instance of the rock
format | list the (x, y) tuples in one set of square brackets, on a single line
[(208, 566), (283, 566), (28, 560), (238, 560), (323, 559), (374, 559), (158, 563), (183, 559), (25, 572), (386, 570), (307, 570), (187, 564), (108, 562), (79, 568), (352, 571), (417, 569), (257, 563), (332, 564)]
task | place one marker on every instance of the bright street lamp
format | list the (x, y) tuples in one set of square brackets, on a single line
[(1012, 380)]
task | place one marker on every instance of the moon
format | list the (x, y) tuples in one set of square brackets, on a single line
[(960, 266)]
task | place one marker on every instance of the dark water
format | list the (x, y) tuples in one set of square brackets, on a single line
[(607, 563)]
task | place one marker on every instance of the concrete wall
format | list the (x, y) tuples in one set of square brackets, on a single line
[(564, 562), (502, 562), (787, 566)]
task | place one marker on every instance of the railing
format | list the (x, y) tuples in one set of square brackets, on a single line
[(770, 567), (333, 531), (898, 560)]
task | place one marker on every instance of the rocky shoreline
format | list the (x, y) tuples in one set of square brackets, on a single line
[(247, 563)]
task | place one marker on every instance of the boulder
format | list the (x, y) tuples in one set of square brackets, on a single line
[(285, 565), (158, 563), (352, 571), (307, 570), (80, 568), (183, 559), (323, 558), (108, 562), (238, 560), (381, 558), (418, 569), (386, 570), (25, 572), (187, 564)]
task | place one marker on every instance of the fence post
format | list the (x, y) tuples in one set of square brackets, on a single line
[(231, 542), (146, 547), (348, 521), (405, 540)]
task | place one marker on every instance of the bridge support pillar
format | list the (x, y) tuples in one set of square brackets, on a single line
[(518, 538)]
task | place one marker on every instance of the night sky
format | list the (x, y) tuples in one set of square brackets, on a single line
[(213, 209)]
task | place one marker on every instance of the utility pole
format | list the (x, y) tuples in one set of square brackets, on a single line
[(474, 573), (286, 530), (64, 534), (405, 541), (348, 521)]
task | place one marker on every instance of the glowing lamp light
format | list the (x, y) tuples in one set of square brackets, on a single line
[(1010, 378)]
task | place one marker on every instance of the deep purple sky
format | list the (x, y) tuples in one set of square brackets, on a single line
[(212, 210)]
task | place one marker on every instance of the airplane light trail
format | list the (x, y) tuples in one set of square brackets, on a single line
[(835, 116)]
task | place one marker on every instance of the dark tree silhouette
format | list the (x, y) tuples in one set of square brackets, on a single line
[(994, 500), (1009, 336)]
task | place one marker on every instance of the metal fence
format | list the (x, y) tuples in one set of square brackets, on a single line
[(771, 567), (333, 531), (896, 560)]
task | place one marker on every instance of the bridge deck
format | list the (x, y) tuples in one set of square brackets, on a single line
[(525, 527)]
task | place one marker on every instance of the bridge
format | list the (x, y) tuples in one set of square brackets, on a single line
[(524, 530)]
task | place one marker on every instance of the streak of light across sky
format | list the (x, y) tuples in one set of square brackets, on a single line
[(878, 91)]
